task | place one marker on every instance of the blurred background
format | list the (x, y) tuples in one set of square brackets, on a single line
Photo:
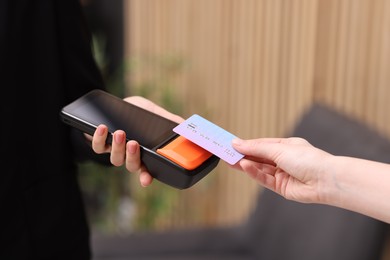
[(250, 66)]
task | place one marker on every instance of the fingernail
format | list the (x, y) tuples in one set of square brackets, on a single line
[(119, 137), (131, 149), (100, 131), (237, 141)]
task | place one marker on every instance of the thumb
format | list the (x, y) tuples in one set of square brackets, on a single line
[(265, 148)]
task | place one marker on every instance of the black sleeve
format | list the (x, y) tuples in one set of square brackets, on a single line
[(83, 149)]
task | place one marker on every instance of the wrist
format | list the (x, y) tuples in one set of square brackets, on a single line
[(329, 187)]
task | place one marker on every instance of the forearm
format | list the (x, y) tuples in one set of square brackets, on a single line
[(360, 185)]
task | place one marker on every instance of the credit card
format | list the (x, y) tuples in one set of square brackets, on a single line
[(210, 137)]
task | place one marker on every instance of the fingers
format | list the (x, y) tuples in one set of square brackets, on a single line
[(99, 144), (262, 173), (144, 177), (260, 160), (133, 155), (134, 164), (154, 108), (256, 148), (267, 149), (121, 152), (118, 145)]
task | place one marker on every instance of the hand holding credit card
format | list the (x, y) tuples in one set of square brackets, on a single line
[(210, 137)]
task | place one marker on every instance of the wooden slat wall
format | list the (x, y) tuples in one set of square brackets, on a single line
[(353, 59), (253, 67)]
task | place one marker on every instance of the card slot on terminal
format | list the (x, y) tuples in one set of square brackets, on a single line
[(185, 153)]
